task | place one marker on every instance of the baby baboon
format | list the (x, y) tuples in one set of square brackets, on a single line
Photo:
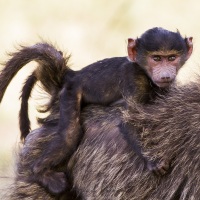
[(155, 59)]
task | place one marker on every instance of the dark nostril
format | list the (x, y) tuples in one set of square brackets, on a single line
[(165, 78)]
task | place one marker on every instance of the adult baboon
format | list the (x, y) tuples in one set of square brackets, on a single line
[(105, 167)]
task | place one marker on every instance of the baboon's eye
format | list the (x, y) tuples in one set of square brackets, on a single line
[(157, 58), (172, 58)]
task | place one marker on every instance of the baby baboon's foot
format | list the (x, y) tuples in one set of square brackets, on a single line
[(55, 182)]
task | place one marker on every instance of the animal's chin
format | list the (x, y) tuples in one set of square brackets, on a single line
[(163, 84)]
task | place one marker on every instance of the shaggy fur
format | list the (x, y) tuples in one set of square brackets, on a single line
[(25, 186), (168, 129), (105, 167)]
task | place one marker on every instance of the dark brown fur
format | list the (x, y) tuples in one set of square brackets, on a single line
[(26, 185), (52, 66), (168, 129)]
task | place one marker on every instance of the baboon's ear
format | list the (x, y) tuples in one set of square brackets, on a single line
[(189, 46), (131, 48)]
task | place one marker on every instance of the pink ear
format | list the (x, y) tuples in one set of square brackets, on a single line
[(131, 48), (190, 46)]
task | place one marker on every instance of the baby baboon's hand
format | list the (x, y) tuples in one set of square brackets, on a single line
[(158, 168)]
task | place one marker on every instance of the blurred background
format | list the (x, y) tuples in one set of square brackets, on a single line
[(89, 30)]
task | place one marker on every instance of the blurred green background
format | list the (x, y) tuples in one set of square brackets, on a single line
[(88, 29)]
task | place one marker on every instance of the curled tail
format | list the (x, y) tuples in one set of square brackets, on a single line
[(51, 69)]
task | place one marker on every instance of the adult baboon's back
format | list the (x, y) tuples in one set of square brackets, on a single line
[(107, 168)]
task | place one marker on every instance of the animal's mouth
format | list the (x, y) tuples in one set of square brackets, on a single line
[(163, 83)]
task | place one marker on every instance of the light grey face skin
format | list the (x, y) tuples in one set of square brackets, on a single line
[(161, 66)]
